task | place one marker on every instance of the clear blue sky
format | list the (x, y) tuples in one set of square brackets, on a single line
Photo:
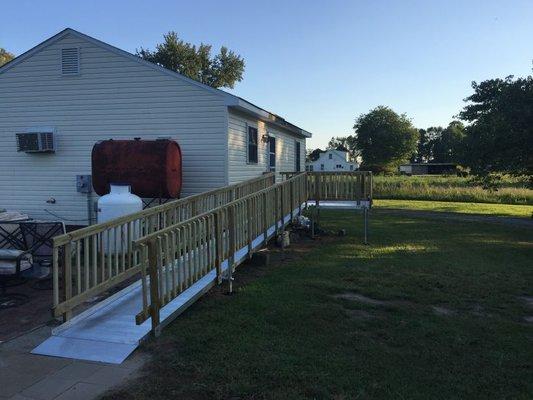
[(319, 64)]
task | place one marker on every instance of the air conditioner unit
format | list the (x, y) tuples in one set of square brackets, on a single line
[(36, 142)]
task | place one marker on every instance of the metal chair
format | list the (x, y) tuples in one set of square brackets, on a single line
[(12, 264), (38, 238)]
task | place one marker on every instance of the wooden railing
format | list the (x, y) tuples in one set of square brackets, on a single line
[(331, 186), (93, 259), (176, 257)]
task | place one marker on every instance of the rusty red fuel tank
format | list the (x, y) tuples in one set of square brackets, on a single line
[(151, 167)]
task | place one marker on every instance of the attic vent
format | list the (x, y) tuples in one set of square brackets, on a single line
[(36, 142), (70, 61)]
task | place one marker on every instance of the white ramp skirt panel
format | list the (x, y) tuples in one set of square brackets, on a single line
[(107, 332), (341, 205)]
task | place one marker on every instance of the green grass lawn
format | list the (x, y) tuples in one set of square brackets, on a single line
[(503, 210), (442, 318)]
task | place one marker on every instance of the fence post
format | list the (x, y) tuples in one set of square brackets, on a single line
[(218, 246), (249, 226), (154, 286), (231, 257), (265, 216), (282, 206), (67, 278), (291, 201)]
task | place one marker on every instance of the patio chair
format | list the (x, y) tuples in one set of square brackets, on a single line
[(10, 235), (38, 238), (12, 264)]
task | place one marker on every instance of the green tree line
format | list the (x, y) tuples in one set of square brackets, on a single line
[(493, 134)]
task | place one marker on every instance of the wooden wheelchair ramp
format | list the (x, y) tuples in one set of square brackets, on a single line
[(107, 332)]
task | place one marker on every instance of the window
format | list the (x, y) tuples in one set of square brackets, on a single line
[(351, 167), (330, 156), (338, 166), (252, 145), (310, 168), (272, 154), (297, 155), (321, 167)]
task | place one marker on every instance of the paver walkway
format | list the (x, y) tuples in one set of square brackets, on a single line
[(25, 376)]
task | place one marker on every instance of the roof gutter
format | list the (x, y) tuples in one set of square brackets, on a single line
[(242, 105)]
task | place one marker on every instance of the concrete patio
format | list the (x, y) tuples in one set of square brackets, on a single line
[(25, 376)]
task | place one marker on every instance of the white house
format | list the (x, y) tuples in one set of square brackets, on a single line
[(82, 90), (332, 160)]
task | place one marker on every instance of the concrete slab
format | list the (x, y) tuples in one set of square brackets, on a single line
[(83, 391)]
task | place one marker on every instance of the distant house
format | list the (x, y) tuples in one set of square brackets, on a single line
[(72, 91), (332, 160), (427, 169)]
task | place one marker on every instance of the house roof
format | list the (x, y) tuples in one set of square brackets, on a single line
[(231, 100)]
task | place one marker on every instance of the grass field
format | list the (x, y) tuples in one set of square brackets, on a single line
[(513, 190), (427, 311), (501, 210)]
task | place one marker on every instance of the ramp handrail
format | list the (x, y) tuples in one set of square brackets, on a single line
[(98, 257), (174, 258)]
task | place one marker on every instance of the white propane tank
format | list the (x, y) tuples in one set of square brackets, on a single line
[(120, 201)]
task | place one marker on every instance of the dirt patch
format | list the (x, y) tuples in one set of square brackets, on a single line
[(439, 310), (360, 314), (359, 298)]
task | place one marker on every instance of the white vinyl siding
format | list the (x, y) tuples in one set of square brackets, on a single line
[(111, 97), (238, 168)]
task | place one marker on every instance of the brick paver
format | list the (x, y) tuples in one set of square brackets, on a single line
[(25, 376)]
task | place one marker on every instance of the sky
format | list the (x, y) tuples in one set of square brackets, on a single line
[(318, 64)]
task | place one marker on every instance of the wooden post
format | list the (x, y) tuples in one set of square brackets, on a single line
[(154, 286), (249, 217), (231, 257), (218, 246), (282, 207), (292, 199), (265, 217), (67, 278)]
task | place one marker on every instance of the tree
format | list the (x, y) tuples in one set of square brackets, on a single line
[(314, 154), (5, 56), (223, 70), (346, 143), (426, 143), (384, 138), (447, 146), (499, 138)]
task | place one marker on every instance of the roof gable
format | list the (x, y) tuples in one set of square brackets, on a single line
[(113, 49), (230, 99)]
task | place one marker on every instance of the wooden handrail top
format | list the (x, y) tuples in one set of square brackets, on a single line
[(97, 228), (154, 235)]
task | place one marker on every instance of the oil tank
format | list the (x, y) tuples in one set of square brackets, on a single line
[(151, 167)]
